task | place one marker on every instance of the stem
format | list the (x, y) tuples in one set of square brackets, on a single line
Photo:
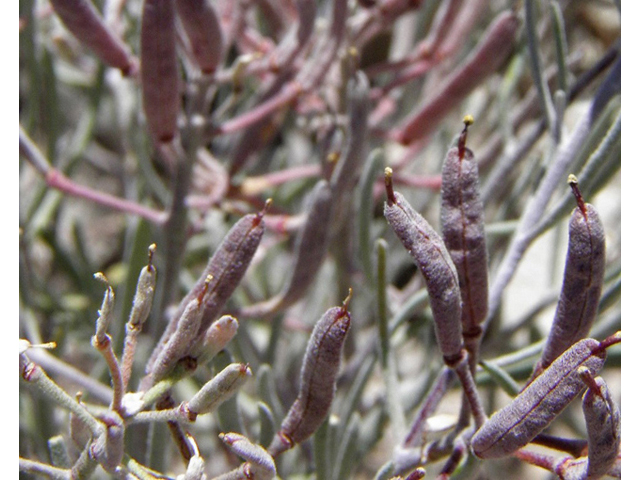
[(105, 348), (31, 466)]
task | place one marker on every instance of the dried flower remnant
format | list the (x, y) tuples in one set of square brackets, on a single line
[(431, 256), (582, 284), (317, 379), (462, 221), (200, 22), (84, 21), (537, 405), (159, 69)]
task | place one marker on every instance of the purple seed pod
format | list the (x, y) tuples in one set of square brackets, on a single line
[(537, 405), (108, 449), (219, 389), (603, 425), (431, 256), (261, 464), (582, 284), (84, 21), (310, 250), (200, 22), (463, 233), (226, 268), (159, 69), (317, 379)]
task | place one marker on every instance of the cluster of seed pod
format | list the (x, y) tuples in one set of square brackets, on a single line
[(455, 271)]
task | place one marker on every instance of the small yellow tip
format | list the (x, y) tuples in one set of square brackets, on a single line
[(468, 120), (388, 172), (101, 277), (572, 179)]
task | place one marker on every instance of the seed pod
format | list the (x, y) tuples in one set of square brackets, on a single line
[(537, 405), (200, 22), (317, 379), (106, 311), (582, 284), (159, 69), (143, 299), (603, 425), (260, 462), (195, 469), (431, 256), (490, 53), (181, 342), (108, 449), (219, 389), (310, 250), (226, 267), (463, 232), (84, 21)]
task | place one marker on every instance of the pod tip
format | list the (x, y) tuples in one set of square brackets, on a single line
[(388, 183)]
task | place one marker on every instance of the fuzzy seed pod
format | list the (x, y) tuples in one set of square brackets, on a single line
[(143, 299), (463, 233), (226, 268), (219, 389), (537, 405), (181, 342), (431, 256), (84, 21), (603, 426), (582, 284), (105, 313), (317, 380), (261, 464), (200, 22), (159, 69)]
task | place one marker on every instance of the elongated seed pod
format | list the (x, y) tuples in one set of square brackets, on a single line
[(492, 50), (159, 69), (537, 405), (200, 22), (226, 268), (431, 256), (105, 313), (219, 389), (85, 23), (216, 338), (143, 300), (463, 233), (603, 426), (310, 250), (181, 342), (261, 463), (582, 284), (317, 380)]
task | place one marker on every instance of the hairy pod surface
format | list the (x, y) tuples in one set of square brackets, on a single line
[(431, 256), (84, 21), (108, 449), (159, 68), (200, 22), (603, 429), (462, 221), (317, 380), (219, 389), (262, 464), (226, 267), (143, 300), (537, 405), (581, 286)]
